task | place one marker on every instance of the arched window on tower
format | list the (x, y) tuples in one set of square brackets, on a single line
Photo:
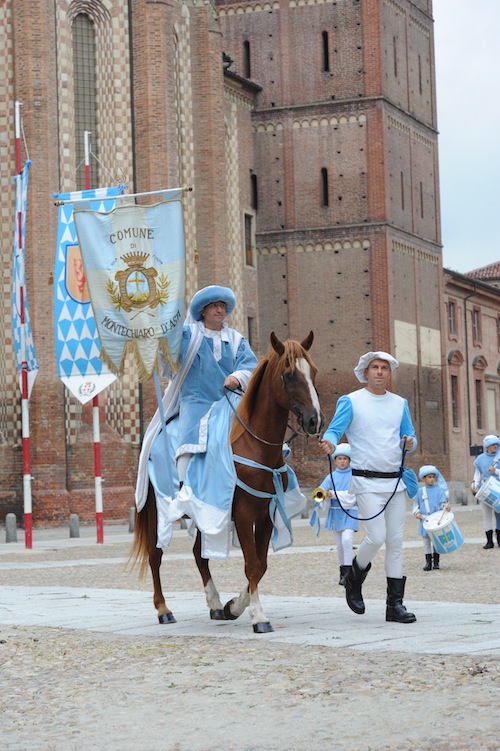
[(324, 187), (247, 67), (326, 52), (84, 84)]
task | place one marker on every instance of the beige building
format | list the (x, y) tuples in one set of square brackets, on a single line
[(472, 341)]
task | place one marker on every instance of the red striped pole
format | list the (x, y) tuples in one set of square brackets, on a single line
[(95, 401), (28, 515)]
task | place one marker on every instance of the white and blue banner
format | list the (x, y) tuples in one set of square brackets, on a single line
[(78, 349), (21, 326), (134, 263)]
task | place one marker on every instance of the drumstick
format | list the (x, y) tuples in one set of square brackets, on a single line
[(441, 517), (493, 465)]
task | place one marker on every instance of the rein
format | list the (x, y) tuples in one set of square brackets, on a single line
[(369, 518), (250, 432)]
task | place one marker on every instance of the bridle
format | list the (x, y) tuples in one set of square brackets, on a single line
[(295, 432)]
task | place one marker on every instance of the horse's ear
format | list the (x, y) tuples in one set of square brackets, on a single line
[(276, 344), (307, 343)]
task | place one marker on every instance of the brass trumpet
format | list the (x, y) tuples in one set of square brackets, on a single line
[(319, 495)]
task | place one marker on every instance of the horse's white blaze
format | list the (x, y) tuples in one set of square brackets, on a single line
[(256, 613), (212, 596), (305, 369)]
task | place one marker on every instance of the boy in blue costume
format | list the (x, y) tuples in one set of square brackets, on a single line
[(486, 465), (432, 497), (343, 525)]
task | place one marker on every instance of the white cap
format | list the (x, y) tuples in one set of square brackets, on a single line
[(366, 359)]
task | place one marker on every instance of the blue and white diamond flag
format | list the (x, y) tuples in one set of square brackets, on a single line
[(78, 349), (21, 325), (134, 262)]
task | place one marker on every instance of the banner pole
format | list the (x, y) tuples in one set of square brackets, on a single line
[(128, 196), (25, 429), (95, 400)]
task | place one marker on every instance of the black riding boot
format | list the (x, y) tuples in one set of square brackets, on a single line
[(353, 582), (436, 560), (428, 562), (395, 610), (343, 572), (498, 537), (489, 540)]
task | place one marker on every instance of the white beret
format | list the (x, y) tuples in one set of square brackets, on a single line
[(490, 440), (365, 360), (342, 449)]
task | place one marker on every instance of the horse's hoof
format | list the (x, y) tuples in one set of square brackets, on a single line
[(228, 616), (167, 618), (262, 628), (217, 615)]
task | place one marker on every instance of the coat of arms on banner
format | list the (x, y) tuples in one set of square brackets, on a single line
[(134, 263), (138, 287)]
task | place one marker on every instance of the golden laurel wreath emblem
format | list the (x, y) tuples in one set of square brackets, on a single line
[(138, 287)]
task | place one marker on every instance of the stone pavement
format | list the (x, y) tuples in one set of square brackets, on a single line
[(315, 621), (85, 666), (324, 621)]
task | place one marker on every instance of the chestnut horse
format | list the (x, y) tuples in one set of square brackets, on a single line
[(283, 382)]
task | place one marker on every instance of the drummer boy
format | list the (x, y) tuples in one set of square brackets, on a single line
[(487, 465), (431, 497)]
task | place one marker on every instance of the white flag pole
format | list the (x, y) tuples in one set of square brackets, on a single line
[(95, 400), (28, 516)]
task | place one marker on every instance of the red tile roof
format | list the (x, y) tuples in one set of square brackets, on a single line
[(486, 272)]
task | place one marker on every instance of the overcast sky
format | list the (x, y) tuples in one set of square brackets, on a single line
[(467, 43)]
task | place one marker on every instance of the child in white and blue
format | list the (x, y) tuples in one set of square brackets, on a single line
[(343, 524), (487, 465), (432, 497)]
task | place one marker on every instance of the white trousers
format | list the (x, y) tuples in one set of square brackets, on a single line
[(428, 548), (343, 542), (490, 518), (386, 528)]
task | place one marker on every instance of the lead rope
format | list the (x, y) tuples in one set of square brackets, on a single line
[(369, 518)]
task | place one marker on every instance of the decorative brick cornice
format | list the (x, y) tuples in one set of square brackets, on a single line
[(237, 10)]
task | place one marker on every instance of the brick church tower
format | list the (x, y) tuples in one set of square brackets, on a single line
[(307, 129), (346, 188)]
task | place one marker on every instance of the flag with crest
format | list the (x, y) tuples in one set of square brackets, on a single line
[(134, 265)]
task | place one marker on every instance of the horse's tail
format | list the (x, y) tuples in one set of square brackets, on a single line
[(144, 534)]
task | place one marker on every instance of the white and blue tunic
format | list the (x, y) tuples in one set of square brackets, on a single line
[(336, 518), (482, 463), (429, 499), (374, 425), (216, 358)]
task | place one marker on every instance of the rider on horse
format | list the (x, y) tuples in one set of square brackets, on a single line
[(213, 357)]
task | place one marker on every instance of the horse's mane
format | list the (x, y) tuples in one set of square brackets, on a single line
[(293, 350)]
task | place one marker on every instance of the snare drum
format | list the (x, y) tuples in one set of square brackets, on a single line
[(489, 493), (443, 531)]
